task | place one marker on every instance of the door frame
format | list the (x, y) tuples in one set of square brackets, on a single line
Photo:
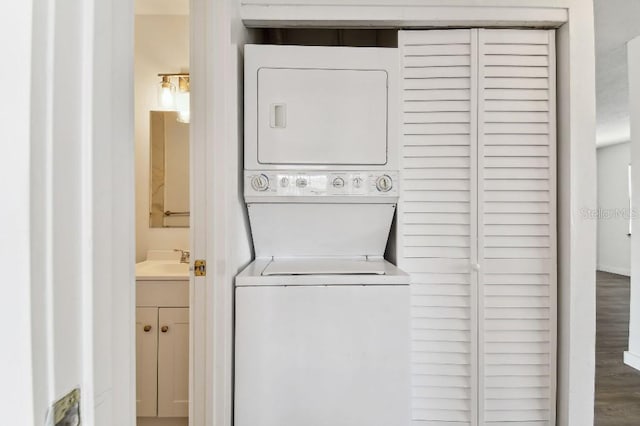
[(214, 126)]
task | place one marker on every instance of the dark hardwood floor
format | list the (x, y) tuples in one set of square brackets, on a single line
[(617, 385)]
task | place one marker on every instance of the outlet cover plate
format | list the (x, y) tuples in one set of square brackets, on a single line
[(66, 410)]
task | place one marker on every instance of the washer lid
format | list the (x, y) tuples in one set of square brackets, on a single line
[(324, 267)]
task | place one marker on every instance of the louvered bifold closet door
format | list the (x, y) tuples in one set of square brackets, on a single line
[(517, 227), (437, 221)]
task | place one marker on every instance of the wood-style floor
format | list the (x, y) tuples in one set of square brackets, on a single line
[(617, 385)]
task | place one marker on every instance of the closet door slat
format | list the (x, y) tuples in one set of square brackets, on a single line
[(517, 227), (437, 221)]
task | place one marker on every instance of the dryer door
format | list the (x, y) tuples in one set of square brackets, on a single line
[(322, 116)]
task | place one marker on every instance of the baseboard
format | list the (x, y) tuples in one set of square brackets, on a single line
[(614, 270), (632, 360)]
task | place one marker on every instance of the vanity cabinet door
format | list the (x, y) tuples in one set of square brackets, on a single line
[(173, 362), (146, 361)]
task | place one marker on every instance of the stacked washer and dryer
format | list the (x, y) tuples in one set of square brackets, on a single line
[(322, 319)]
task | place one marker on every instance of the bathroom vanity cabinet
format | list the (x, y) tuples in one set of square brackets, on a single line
[(162, 348)]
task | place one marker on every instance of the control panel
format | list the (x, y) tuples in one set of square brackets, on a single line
[(295, 183)]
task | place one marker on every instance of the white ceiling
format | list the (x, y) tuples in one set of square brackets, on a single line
[(162, 7), (616, 22)]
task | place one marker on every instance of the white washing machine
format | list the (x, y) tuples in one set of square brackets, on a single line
[(326, 348), (322, 319)]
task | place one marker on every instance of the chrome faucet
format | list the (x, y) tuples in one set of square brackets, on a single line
[(184, 255)]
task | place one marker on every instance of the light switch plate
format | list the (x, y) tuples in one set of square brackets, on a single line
[(66, 410)]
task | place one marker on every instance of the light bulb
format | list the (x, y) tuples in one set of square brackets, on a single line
[(182, 106), (166, 93), (166, 98), (182, 100)]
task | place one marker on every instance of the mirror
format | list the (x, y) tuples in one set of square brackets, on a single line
[(169, 174)]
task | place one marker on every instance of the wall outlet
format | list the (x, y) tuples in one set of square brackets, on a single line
[(65, 411)]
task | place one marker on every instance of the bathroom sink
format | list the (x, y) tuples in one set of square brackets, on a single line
[(159, 269)]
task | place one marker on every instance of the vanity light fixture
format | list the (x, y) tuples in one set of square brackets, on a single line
[(170, 99)]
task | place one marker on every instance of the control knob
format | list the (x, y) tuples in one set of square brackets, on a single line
[(357, 182), (338, 182), (260, 183), (384, 183)]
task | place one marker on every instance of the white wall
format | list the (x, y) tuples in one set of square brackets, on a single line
[(161, 46), (60, 212), (16, 368), (61, 293), (614, 245), (632, 357), (110, 304)]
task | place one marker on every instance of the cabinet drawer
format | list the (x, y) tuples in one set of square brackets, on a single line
[(162, 293)]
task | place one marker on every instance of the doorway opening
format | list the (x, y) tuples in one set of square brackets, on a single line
[(162, 180)]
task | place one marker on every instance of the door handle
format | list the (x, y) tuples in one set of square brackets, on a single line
[(278, 116), (147, 328), (475, 267), (164, 328)]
